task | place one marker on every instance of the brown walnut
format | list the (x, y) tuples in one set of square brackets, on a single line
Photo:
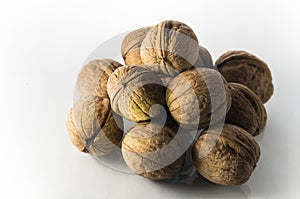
[(152, 151), (245, 68), (92, 126), (131, 44), (134, 91), (171, 44), (226, 158), (198, 97), (93, 77), (247, 110)]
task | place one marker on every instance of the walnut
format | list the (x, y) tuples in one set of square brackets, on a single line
[(92, 126), (171, 44), (247, 110), (131, 44), (197, 97), (204, 59), (73, 133), (226, 158), (152, 151), (245, 68), (93, 77), (134, 91)]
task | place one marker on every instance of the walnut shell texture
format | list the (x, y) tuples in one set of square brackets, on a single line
[(204, 59), (247, 110), (198, 97), (96, 126), (171, 44), (134, 91), (93, 77), (152, 151), (73, 133), (245, 68), (226, 158), (131, 44)]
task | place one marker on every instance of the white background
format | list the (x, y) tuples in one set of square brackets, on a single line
[(43, 45)]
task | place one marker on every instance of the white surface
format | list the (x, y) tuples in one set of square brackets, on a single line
[(42, 47)]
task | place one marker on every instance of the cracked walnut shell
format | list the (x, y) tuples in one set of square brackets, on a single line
[(226, 155), (131, 44), (152, 151), (134, 91), (245, 68), (92, 126), (198, 97), (247, 110), (93, 77), (171, 44)]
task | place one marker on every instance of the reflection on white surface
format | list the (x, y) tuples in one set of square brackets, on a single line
[(114, 160), (201, 188), (133, 186)]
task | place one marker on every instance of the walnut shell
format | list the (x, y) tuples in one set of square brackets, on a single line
[(245, 68), (93, 77), (171, 44), (152, 151), (197, 97), (204, 59), (131, 44), (133, 92), (73, 133), (226, 158), (247, 110), (93, 127)]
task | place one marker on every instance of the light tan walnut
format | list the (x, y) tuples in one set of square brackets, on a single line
[(198, 97), (134, 91), (131, 44), (171, 44), (92, 126), (73, 133), (93, 77), (152, 151)]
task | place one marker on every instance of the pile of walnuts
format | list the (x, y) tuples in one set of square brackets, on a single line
[(167, 72)]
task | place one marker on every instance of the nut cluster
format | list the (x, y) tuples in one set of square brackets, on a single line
[(92, 125), (167, 72)]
